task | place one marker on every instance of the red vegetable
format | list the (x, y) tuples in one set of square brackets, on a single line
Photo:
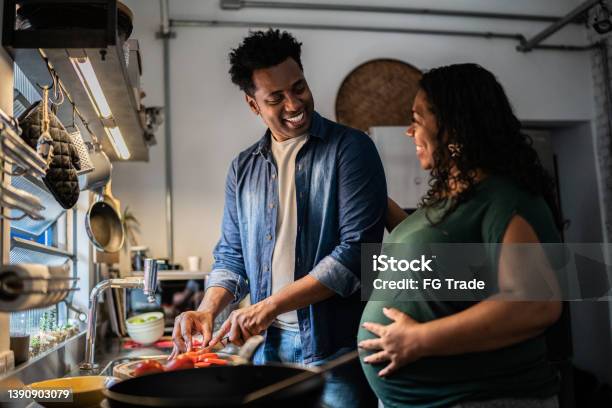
[(201, 357), (202, 365), (215, 361), (148, 367), (179, 364)]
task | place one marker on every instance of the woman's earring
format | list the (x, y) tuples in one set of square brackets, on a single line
[(455, 149)]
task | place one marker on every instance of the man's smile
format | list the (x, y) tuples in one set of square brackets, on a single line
[(297, 120)]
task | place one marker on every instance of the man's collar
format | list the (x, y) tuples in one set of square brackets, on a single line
[(316, 129)]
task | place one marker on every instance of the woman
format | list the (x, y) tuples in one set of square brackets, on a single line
[(487, 186)]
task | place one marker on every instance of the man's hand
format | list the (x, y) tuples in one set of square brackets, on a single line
[(399, 342), (246, 322), (186, 325)]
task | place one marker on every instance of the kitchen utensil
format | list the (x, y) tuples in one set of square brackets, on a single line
[(222, 386), (43, 131), (379, 92), (52, 211), (103, 224), (146, 328), (108, 196), (101, 173), (145, 319), (21, 196), (260, 396), (86, 390), (125, 371), (83, 152), (16, 152), (21, 201), (225, 386)]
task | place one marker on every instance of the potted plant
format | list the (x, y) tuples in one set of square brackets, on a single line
[(131, 226)]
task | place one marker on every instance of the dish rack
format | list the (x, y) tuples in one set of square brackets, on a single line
[(22, 161)]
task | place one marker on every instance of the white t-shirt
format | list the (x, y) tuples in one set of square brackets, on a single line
[(283, 257)]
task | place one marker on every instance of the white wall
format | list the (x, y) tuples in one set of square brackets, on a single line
[(574, 150), (211, 122)]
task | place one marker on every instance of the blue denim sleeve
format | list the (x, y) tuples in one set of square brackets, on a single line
[(228, 268), (362, 205)]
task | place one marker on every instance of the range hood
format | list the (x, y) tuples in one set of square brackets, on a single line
[(107, 98)]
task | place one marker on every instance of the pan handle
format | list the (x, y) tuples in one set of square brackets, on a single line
[(255, 396)]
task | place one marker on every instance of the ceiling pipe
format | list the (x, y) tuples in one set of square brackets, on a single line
[(166, 34), (553, 28), (478, 34), (220, 23), (603, 49), (239, 4), (165, 17)]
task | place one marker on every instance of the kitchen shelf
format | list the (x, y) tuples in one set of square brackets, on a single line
[(17, 242), (29, 49)]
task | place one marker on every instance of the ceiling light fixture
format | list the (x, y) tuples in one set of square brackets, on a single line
[(88, 78), (116, 138)]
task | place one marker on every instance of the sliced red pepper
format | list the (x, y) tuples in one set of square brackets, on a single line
[(207, 355), (215, 361)]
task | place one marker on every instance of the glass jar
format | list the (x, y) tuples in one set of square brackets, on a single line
[(138, 255)]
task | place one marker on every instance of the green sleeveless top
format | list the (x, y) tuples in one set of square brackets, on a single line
[(518, 371)]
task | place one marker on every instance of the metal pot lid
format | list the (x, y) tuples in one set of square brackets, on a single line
[(379, 92)]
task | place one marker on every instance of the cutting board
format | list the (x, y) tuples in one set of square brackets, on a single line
[(125, 371)]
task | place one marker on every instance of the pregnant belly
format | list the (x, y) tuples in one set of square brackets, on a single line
[(373, 313)]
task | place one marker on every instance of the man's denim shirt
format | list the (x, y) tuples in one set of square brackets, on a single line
[(341, 197)]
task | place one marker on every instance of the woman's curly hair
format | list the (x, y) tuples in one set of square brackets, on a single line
[(261, 49), (473, 113)]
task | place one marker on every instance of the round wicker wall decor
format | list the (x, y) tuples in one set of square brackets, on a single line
[(379, 92)]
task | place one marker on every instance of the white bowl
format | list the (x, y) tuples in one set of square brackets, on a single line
[(148, 332), (147, 335), (159, 316)]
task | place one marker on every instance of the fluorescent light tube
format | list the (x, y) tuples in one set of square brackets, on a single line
[(116, 138), (90, 82)]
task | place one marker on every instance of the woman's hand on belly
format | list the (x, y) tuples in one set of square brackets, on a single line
[(398, 343)]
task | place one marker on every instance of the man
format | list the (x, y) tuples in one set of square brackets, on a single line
[(298, 205)]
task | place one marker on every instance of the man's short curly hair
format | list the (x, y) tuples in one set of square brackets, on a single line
[(261, 49)]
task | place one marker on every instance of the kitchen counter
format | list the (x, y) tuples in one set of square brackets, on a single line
[(110, 352), (64, 360)]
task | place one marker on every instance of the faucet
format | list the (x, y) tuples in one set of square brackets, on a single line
[(148, 284)]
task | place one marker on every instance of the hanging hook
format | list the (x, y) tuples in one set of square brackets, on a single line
[(74, 114), (58, 92), (45, 87)]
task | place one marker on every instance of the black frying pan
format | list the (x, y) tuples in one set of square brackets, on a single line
[(218, 387), (273, 385)]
